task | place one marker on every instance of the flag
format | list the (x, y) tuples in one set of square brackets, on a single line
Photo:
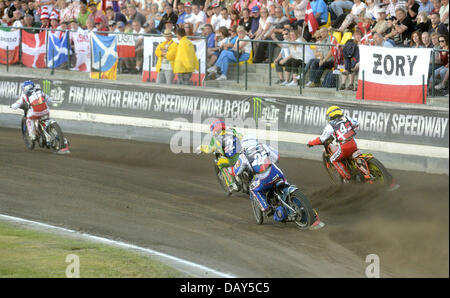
[(9, 41), (367, 39), (57, 52), (33, 49), (104, 56), (310, 19), (126, 46), (82, 49)]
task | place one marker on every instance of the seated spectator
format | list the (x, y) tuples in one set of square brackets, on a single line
[(412, 8), (30, 23), (416, 40), (246, 20), (426, 39), (186, 61), (372, 9), (225, 20), (279, 68), (169, 15), (338, 6), (324, 58), (351, 61), (181, 12), (209, 13), (234, 55), (149, 28), (100, 25), (198, 20), (358, 8), (441, 72), (298, 7), (423, 23), (320, 11), (436, 25), (134, 15), (382, 25), (166, 53), (216, 17), (392, 6), (235, 18), (436, 5), (221, 37), (115, 16), (379, 41), (443, 12), (403, 27), (17, 19), (189, 29)]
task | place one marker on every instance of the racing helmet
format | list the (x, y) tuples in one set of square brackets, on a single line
[(248, 141), (334, 112), (217, 127), (27, 86)]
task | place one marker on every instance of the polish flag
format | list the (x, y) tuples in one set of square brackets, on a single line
[(311, 20), (33, 49), (126, 46)]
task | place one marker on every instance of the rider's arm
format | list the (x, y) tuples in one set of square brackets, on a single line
[(240, 165), (327, 132), (354, 122), (274, 156), (17, 104)]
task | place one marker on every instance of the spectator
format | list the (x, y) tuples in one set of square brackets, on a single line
[(209, 13), (246, 20), (221, 37), (338, 6), (255, 21), (351, 61), (188, 17), (436, 25), (413, 9), (166, 53), (403, 27), (426, 5), (320, 11), (199, 19), (299, 9), (115, 16), (30, 23), (234, 16), (139, 44), (381, 26), (436, 5), (186, 61), (416, 40), (121, 27), (279, 68), (262, 33), (83, 15), (358, 8), (392, 6), (441, 72), (372, 9), (169, 15), (443, 12), (225, 20), (426, 40), (210, 36), (112, 26), (188, 28), (324, 58), (149, 27), (17, 5), (45, 20), (181, 12), (100, 25), (17, 19), (379, 41), (423, 24), (90, 25), (215, 19), (228, 56), (135, 15), (96, 13)]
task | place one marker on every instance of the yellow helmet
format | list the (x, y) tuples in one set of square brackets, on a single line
[(333, 112)]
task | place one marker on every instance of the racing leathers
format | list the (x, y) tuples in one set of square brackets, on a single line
[(35, 102), (343, 131), (260, 159)]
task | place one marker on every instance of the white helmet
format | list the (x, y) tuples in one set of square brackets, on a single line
[(248, 141)]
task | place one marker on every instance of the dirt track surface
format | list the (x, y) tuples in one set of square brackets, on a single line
[(143, 194)]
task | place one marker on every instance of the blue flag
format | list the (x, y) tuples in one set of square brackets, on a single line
[(106, 48), (57, 52)]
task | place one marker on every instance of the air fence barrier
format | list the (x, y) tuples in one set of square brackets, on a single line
[(410, 137)]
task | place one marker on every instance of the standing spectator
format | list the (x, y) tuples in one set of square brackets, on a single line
[(234, 55), (134, 15), (246, 20), (392, 6), (186, 61), (166, 53), (443, 12), (255, 21), (139, 44), (265, 26), (436, 25), (351, 60), (320, 11), (45, 20), (169, 15), (426, 5), (324, 58), (100, 25), (416, 40), (225, 20), (413, 9), (83, 15), (115, 16), (215, 19), (95, 13), (338, 6)]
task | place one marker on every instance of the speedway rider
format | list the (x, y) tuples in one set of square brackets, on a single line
[(35, 102), (226, 142), (342, 128)]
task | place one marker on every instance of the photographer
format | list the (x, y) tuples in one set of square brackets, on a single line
[(402, 28)]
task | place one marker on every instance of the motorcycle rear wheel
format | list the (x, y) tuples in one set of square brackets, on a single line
[(56, 133), (305, 214), (26, 139)]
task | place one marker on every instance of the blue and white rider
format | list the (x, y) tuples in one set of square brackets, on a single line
[(261, 160)]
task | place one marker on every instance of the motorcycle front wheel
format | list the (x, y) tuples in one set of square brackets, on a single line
[(28, 143), (221, 180), (57, 137), (257, 211), (335, 178), (305, 216)]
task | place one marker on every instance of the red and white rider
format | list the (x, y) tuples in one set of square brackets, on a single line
[(35, 101), (342, 128)]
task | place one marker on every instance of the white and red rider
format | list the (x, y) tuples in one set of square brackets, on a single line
[(342, 128), (35, 101)]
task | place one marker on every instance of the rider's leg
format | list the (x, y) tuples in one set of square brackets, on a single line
[(340, 167), (31, 128), (255, 190)]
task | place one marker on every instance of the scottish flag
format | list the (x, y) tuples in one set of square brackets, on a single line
[(57, 52), (104, 56)]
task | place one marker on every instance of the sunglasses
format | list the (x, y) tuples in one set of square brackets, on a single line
[(441, 40)]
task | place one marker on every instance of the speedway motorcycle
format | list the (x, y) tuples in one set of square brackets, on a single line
[(364, 168), (239, 183), (288, 204), (49, 135)]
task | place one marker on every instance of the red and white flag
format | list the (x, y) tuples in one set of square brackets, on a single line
[(33, 49), (9, 46), (311, 20), (126, 46), (367, 39)]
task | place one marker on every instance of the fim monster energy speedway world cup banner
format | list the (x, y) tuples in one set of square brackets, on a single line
[(381, 123)]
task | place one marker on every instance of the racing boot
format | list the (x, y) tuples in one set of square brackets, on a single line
[(318, 224)]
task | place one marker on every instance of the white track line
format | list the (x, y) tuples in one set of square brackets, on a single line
[(188, 267)]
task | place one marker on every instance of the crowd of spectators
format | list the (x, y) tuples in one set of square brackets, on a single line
[(386, 23)]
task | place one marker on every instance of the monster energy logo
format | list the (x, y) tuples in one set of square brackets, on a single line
[(46, 86), (257, 108)]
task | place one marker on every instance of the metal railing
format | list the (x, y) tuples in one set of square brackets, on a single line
[(69, 48)]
